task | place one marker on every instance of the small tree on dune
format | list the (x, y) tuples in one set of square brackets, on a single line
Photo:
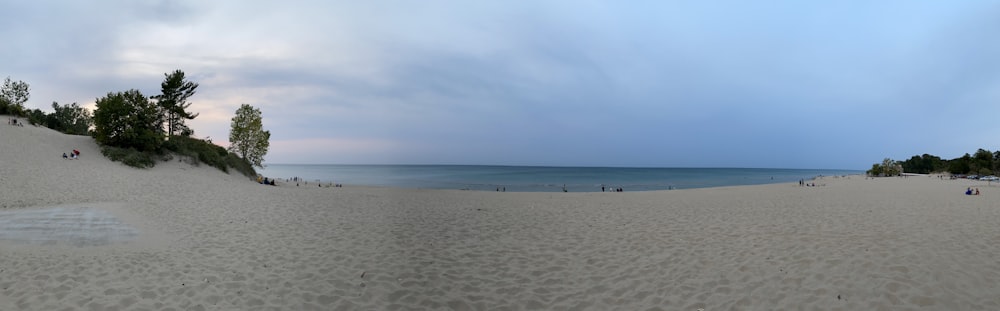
[(247, 138), (13, 95)]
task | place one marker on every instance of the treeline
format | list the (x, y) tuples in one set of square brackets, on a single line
[(70, 119), (982, 162), (136, 130)]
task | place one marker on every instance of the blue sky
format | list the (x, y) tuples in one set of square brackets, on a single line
[(794, 84)]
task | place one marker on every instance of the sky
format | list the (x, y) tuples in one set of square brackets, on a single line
[(768, 84)]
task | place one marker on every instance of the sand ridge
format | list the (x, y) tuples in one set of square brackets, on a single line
[(913, 243)]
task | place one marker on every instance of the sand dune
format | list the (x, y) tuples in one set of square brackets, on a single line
[(214, 241)]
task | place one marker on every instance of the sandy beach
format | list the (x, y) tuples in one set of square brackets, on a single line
[(194, 238)]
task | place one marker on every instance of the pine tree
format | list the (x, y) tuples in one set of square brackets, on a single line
[(173, 102)]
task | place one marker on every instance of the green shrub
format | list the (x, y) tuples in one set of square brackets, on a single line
[(129, 156), (241, 165), (199, 151), (202, 151)]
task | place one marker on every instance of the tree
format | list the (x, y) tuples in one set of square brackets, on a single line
[(13, 95), (996, 161), (128, 120), (982, 161), (924, 164), (888, 167), (961, 165), (875, 170), (70, 119), (173, 102), (35, 117), (891, 167), (247, 138), (914, 165)]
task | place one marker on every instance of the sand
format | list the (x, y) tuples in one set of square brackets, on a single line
[(206, 240)]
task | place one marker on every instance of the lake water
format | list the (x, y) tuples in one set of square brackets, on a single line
[(540, 178)]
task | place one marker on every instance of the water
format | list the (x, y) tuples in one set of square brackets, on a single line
[(540, 178)]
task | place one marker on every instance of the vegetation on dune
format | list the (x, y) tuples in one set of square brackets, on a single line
[(70, 119), (128, 156), (195, 151), (202, 151), (13, 94), (138, 130), (983, 162), (128, 120)]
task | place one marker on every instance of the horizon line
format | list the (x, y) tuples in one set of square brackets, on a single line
[(568, 166)]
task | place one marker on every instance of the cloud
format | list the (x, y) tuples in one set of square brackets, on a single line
[(560, 83)]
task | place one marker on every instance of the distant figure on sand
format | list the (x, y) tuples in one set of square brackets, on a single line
[(64, 156), (968, 191)]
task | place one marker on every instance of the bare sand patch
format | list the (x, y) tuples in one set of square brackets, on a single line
[(77, 226)]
